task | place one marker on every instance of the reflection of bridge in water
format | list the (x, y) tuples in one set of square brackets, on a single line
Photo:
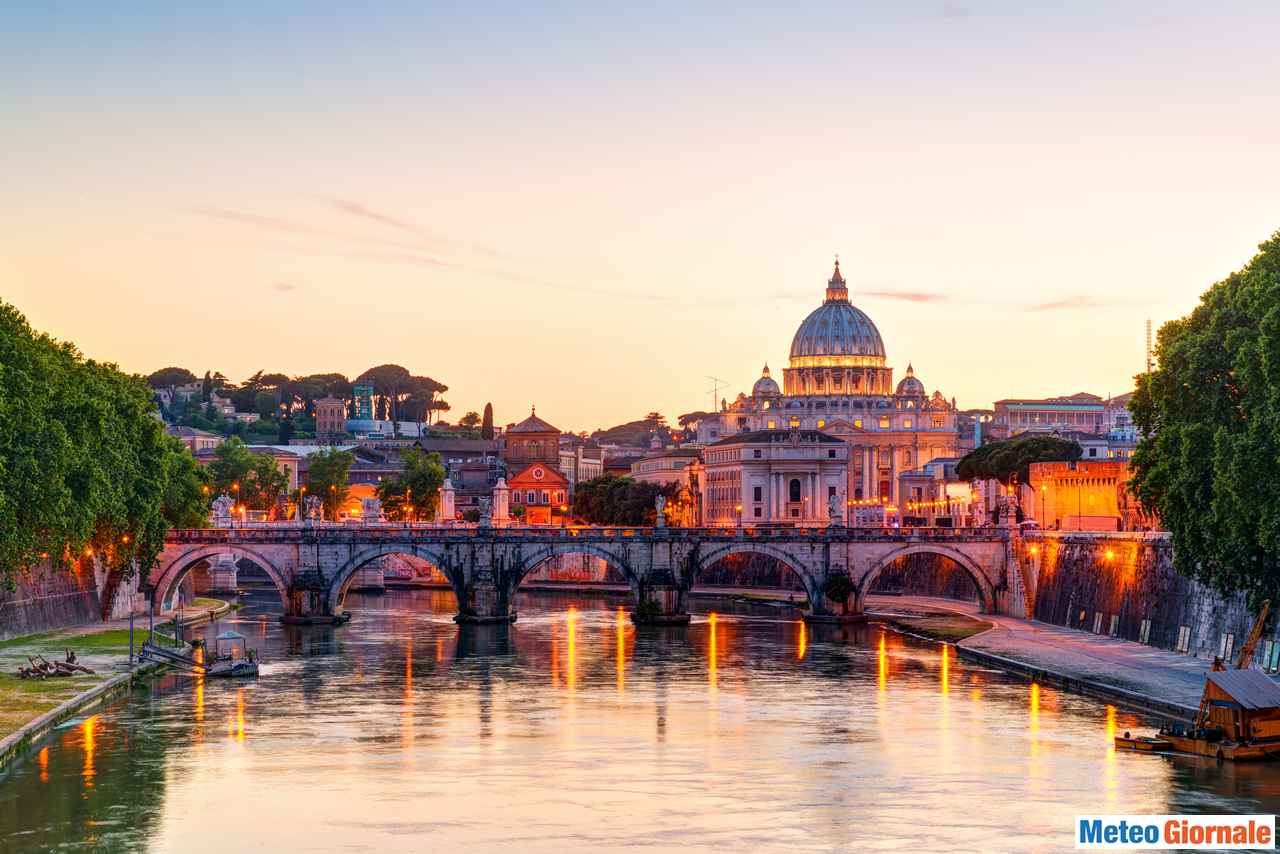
[(313, 566)]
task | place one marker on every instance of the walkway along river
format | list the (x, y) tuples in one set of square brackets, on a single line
[(573, 730)]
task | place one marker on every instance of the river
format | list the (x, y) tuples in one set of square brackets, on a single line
[(574, 731)]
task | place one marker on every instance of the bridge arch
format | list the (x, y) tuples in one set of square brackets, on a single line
[(174, 569), (532, 558), (719, 552), (981, 578), (342, 578)]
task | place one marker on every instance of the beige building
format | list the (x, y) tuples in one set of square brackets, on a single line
[(774, 476), (196, 440), (670, 466)]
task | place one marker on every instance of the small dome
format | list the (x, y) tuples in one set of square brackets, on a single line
[(766, 386), (910, 386)]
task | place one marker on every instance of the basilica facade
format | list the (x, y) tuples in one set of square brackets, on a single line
[(838, 382)]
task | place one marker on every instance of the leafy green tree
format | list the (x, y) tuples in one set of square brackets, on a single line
[(264, 403), (327, 478), (1002, 460), (84, 466), (611, 500), (187, 490), (253, 479), (470, 421), (1209, 464), (486, 425), (414, 493)]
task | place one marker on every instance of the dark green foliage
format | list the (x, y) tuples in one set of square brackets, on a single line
[(414, 493), (610, 500), (486, 424), (1210, 462), (83, 464), (1002, 460), (169, 377), (251, 478), (327, 478)]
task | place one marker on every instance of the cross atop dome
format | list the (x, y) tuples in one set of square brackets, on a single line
[(836, 289), (765, 372)]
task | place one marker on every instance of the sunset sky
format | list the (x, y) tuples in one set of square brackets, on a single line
[(594, 208)]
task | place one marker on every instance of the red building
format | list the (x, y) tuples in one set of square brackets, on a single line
[(331, 419), (543, 492)]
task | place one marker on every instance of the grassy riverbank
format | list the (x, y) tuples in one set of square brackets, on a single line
[(936, 625), (106, 652)]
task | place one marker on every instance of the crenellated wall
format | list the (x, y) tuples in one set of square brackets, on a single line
[(1130, 577)]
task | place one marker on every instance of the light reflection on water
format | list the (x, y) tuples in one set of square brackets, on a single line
[(573, 730)]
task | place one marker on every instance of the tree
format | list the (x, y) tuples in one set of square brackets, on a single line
[(610, 500), (1209, 462), (470, 421), (390, 384), (170, 377), (413, 494), (253, 479), (1002, 460), (187, 488), (85, 469), (486, 426), (327, 473)]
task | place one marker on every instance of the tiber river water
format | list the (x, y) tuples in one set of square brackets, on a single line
[(571, 730)]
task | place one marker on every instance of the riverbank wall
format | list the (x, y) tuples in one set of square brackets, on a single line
[(47, 597), (1125, 586)]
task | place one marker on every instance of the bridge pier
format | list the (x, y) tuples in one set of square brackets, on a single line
[(307, 602), (661, 605), (484, 601)]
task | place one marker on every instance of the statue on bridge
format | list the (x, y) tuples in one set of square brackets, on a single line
[(659, 505), (314, 508), (222, 511), (371, 510), (833, 509)]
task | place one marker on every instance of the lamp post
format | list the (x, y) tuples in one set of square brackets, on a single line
[(1043, 520), (738, 509), (563, 511)]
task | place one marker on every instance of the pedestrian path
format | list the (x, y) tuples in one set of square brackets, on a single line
[(1131, 667)]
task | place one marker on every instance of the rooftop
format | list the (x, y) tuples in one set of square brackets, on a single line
[(778, 437)]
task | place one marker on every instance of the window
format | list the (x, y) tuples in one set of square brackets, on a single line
[(822, 423), (857, 422), (831, 454), (546, 497), (773, 425), (757, 493), (906, 423), (756, 512), (795, 514), (794, 421), (937, 421), (831, 492), (884, 422), (757, 453), (794, 490), (532, 496), (1093, 452), (1144, 633), (1184, 639)]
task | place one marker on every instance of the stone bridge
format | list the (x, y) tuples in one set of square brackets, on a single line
[(312, 565)]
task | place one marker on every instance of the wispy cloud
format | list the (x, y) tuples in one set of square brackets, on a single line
[(284, 287), (371, 248), (1070, 303), (908, 296)]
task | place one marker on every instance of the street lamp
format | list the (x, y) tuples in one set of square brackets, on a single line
[(738, 509), (563, 511), (1043, 521)]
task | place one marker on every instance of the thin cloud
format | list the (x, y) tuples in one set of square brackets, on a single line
[(284, 287), (907, 296), (363, 211), (274, 223), (1071, 303)]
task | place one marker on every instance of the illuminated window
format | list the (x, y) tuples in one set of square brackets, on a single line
[(906, 424), (857, 422), (937, 421), (884, 422), (795, 421), (822, 423), (773, 425)]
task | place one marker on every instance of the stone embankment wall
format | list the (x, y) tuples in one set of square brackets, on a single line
[(48, 598), (1130, 581)]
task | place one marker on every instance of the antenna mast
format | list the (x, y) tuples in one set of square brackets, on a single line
[(717, 384)]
